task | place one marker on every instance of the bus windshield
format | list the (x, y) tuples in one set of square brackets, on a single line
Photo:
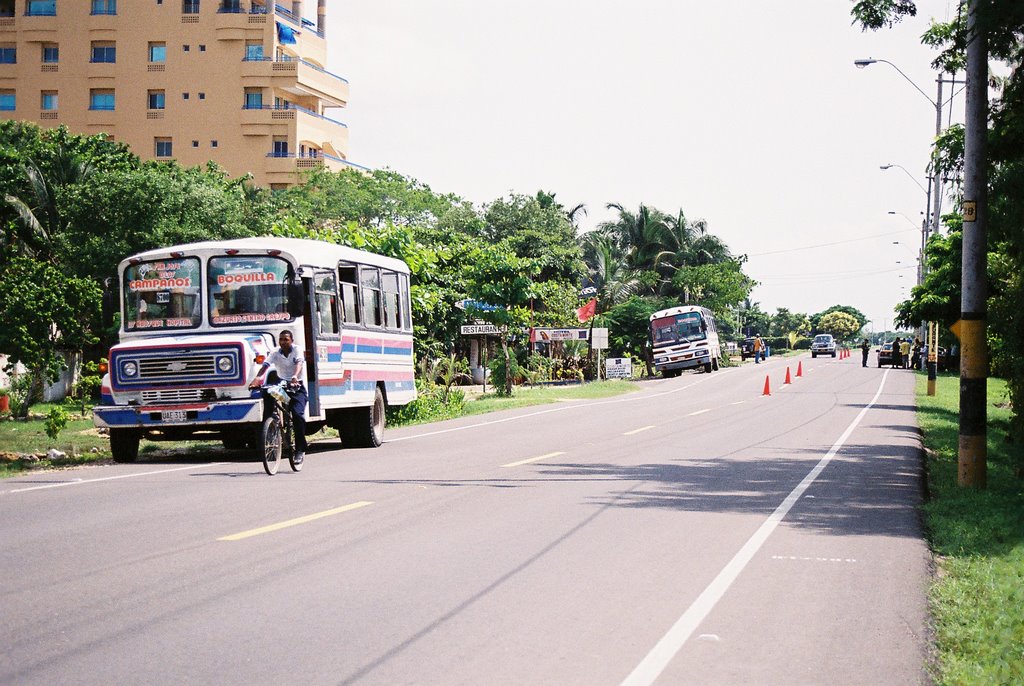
[(248, 290), (162, 294), (681, 327)]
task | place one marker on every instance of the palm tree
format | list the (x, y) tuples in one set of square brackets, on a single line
[(39, 215), (609, 271), (639, 237)]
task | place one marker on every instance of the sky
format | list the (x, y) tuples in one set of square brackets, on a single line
[(747, 114)]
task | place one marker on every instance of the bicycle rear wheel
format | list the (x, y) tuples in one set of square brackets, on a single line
[(271, 444), (290, 445)]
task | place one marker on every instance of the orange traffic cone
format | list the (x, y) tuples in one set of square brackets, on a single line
[(787, 381), (767, 387), (799, 368)]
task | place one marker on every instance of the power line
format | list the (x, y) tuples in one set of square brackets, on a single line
[(826, 245)]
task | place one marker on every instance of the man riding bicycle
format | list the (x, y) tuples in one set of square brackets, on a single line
[(289, 364)]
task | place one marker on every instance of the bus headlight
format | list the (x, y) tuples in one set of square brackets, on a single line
[(129, 369), (225, 364)]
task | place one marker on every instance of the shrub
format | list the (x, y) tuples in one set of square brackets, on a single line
[(432, 403), (56, 420)]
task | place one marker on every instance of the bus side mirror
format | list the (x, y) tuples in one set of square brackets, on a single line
[(109, 303), (296, 299)]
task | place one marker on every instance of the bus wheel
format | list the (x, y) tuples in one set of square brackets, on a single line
[(714, 363), (364, 427), (709, 367), (124, 444)]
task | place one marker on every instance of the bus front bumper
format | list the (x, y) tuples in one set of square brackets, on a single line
[(698, 358), (156, 416)]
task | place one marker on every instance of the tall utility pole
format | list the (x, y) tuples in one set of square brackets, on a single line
[(972, 457)]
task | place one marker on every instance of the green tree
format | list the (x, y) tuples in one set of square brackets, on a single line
[(715, 286), (46, 314), (840, 324), (852, 311), (498, 277)]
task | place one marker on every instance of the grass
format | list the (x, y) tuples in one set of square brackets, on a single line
[(540, 395), (978, 538)]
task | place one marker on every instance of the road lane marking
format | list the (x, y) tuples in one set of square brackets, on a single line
[(738, 402), (694, 414), (294, 522), (636, 431), (651, 667), (79, 482), (561, 408), (533, 459)]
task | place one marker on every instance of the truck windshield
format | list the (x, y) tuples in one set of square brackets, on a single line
[(248, 290), (680, 327), (162, 294)]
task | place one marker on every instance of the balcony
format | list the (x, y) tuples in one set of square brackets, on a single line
[(298, 77), (234, 22), (287, 167), (300, 124), (37, 28)]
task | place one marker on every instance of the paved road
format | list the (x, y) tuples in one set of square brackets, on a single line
[(694, 532)]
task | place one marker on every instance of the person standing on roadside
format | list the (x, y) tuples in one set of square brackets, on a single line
[(865, 348), (896, 352), (758, 348), (905, 353)]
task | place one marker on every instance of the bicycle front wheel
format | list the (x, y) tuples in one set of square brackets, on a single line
[(271, 436)]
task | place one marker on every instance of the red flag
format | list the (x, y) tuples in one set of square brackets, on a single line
[(587, 311)]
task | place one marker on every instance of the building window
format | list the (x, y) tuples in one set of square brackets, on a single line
[(184, 96), (8, 54), (202, 96), (104, 6), (156, 100), (51, 54), (185, 48), (7, 101), (158, 52), (164, 147), (202, 48), (103, 51), (7, 8), (213, 144), (233, 6), (253, 99), (254, 51), (101, 99), (195, 144), (41, 8), (280, 146), (48, 101), (190, 6)]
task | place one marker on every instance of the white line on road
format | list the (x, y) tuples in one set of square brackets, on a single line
[(658, 659), (79, 482), (694, 414), (636, 431), (533, 459), (560, 408)]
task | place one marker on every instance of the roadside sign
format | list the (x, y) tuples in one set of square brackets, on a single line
[(599, 339), (618, 368), (545, 335), (480, 329)]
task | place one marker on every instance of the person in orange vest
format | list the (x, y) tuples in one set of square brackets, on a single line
[(758, 349)]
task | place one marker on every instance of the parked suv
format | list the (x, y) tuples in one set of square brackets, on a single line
[(823, 344), (747, 348)]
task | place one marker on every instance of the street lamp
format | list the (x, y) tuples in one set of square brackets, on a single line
[(936, 208), (912, 178)]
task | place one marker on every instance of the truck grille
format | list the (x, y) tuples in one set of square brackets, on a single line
[(162, 368), (154, 368), (171, 396)]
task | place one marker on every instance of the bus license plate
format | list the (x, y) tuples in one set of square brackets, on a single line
[(174, 415)]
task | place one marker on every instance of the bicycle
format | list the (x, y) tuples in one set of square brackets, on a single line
[(276, 433)]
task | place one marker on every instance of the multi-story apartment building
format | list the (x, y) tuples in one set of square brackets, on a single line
[(239, 82)]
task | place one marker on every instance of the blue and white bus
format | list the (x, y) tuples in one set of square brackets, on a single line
[(198, 320), (683, 338)]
